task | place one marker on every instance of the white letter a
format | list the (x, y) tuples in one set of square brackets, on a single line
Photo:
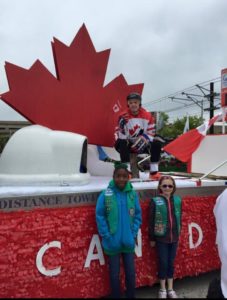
[(95, 242)]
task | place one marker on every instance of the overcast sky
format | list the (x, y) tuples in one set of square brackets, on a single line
[(168, 45)]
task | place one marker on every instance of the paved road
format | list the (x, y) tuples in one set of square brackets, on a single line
[(188, 287)]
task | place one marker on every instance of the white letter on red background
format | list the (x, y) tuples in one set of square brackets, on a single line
[(39, 259), (95, 242), (200, 238)]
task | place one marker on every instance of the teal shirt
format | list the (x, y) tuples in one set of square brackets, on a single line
[(123, 239)]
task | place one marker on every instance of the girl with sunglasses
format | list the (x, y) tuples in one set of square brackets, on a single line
[(164, 231)]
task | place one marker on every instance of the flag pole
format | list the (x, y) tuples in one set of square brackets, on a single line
[(142, 160), (186, 126), (205, 175)]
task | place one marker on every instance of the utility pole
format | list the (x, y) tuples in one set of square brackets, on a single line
[(211, 105)]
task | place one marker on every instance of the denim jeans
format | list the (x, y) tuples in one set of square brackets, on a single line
[(129, 268), (166, 256)]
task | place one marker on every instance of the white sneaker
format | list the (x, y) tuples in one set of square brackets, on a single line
[(172, 294), (162, 294)]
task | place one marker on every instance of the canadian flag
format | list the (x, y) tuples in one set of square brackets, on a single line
[(183, 146)]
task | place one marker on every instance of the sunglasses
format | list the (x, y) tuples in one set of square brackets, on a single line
[(170, 186)]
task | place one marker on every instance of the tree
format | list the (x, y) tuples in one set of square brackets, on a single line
[(173, 130), (170, 131)]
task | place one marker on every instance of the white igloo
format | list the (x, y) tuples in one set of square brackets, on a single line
[(37, 155)]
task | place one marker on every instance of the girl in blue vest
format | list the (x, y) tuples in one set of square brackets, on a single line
[(118, 218), (164, 230)]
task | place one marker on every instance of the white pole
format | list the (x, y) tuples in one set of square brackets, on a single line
[(224, 162), (142, 160)]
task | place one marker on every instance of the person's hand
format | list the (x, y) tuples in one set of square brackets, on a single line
[(152, 244), (123, 120), (140, 144), (121, 123)]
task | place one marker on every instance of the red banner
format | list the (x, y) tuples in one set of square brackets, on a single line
[(224, 88), (57, 252)]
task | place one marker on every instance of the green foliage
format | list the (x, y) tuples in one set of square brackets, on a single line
[(172, 164), (173, 130)]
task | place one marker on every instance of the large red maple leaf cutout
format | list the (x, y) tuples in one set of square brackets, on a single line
[(76, 100)]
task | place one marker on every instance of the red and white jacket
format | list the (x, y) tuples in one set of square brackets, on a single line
[(135, 125)]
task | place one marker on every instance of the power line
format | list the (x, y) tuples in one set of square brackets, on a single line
[(205, 83), (199, 98)]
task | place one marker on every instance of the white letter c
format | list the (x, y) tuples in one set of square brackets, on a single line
[(39, 259)]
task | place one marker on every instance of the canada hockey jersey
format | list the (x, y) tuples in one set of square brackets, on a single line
[(130, 126)]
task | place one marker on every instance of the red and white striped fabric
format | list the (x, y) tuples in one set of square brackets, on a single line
[(183, 146)]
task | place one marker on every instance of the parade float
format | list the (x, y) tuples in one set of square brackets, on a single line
[(51, 175)]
